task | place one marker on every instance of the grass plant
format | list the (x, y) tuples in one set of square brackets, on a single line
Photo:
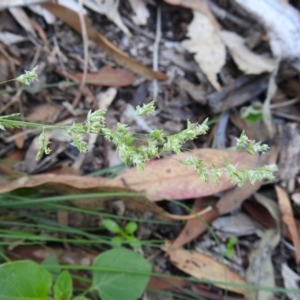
[(27, 219)]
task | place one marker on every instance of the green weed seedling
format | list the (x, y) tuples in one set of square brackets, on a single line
[(232, 241), (253, 113), (116, 274), (123, 236)]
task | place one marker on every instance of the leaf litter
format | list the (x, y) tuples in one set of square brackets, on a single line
[(203, 73)]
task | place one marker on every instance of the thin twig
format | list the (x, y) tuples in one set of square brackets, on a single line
[(59, 56), (191, 216), (286, 103), (286, 116), (266, 110), (85, 53), (82, 156), (36, 57), (86, 89), (155, 51)]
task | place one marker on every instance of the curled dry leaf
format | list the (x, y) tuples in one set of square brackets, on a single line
[(284, 40), (204, 267), (260, 271), (71, 18), (288, 218), (272, 208), (247, 61), (266, 214), (205, 41), (259, 213), (207, 45)]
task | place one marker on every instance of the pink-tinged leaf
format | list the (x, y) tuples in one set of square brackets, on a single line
[(165, 178)]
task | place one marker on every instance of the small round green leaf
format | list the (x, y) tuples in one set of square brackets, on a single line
[(122, 274), (24, 280), (111, 226), (63, 287), (131, 227)]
